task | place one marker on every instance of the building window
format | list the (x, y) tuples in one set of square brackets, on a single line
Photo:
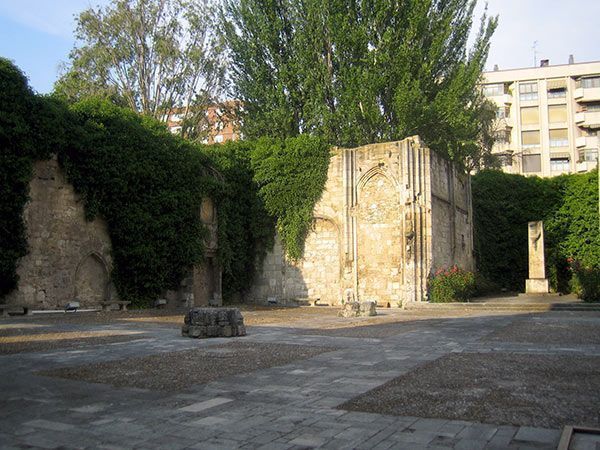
[(560, 165), (493, 90), (505, 159), (528, 91), (502, 136), (559, 138), (502, 113), (530, 115), (532, 163), (557, 113), (588, 83), (592, 107), (557, 93), (530, 139), (588, 154)]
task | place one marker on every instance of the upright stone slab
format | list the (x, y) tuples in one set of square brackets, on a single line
[(213, 322), (537, 283)]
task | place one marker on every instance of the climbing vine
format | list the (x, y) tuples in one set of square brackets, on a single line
[(291, 174), (30, 127)]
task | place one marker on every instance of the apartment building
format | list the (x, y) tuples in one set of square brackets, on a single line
[(217, 120), (548, 117)]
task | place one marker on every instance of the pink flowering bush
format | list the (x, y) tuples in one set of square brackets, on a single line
[(451, 285)]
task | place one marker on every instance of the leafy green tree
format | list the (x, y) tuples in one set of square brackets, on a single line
[(360, 71), (148, 55)]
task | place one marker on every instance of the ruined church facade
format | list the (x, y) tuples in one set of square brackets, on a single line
[(390, 215)]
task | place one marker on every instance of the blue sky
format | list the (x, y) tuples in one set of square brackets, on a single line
[(38, 34)]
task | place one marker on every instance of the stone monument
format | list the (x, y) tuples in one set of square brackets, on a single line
[(537, 283)]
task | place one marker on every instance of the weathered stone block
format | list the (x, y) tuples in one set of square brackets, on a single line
[(213, 322), (356, 309)]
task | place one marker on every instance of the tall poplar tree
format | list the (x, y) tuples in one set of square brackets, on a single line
[(361, 71)]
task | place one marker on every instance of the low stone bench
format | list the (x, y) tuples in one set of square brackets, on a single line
[(213, 322), (5, 308), (121, 305), (356, 309)]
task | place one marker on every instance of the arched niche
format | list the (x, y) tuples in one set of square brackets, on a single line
[(91, 280)]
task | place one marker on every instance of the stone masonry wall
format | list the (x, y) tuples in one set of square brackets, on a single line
[(68, 256), (389, 213)]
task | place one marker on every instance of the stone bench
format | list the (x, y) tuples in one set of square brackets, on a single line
[(213, 322), (121, 305), (5, 308)]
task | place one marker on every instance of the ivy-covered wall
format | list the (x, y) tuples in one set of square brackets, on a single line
[(148, 186)]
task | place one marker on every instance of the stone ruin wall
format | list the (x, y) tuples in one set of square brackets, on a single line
[(451, 216), (390, 214), (70, 258)]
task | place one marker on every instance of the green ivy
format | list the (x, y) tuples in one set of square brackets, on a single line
[(246, 230), (291, 174), (148, 185), (30, 127)]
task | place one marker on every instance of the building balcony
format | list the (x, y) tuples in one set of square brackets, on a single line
[(588, 119), (585, 166), (503, 147), (586, 142), (583, 95)]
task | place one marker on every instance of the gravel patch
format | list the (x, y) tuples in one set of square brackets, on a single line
[(71, 344), (366, 331), (176, 371), (548, 391), (548, 330)]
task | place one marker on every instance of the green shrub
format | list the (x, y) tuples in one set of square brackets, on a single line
[(585, 282), (502, 206), (504, 203), (451, 285)]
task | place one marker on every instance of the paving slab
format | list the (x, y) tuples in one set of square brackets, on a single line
[(293, 403)]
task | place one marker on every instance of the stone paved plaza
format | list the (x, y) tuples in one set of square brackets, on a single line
[(285, 395)]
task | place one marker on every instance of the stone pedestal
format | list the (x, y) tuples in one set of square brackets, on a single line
[(213, 322), (537, 283), (537, 286)]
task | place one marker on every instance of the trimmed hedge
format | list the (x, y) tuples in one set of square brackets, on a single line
[(504, 203)]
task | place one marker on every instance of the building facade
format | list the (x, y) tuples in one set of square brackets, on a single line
[(391, 214), (548, 117), (217, 123)]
